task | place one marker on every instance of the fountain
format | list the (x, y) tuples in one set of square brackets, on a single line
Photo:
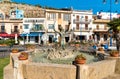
[(58, 56)]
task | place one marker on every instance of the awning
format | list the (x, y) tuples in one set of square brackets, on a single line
[(4, 34), (33, 34)]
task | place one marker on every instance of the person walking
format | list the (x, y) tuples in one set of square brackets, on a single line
[(118, 41)]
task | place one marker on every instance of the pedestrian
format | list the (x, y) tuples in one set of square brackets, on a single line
[(118, 40)]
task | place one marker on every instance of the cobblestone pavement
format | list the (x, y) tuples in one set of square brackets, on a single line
[(114, 76)]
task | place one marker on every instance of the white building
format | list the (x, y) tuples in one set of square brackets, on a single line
[(81, 22), (106, 15), (33, 29)]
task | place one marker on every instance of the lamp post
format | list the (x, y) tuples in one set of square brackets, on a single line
[(110, 4)]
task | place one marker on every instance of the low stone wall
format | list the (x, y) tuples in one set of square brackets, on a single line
[(97, 70), (48, 71), (117, 68)]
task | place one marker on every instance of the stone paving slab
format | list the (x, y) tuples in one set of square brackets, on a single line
[(114, 76), (8, 72)]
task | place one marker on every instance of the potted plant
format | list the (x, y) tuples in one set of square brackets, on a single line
[(77, 44), (80, 59), (72, 43), (100, 49), (23, 56), (114, 53), (15, 50)]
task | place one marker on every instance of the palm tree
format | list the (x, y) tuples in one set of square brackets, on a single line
[(114, 25)]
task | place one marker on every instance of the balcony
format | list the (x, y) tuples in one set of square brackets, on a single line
[(83, 21), (101, 21), (82, 29), (37, 30), (100, 29)]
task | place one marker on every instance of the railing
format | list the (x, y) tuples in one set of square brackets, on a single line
[(100, 29), (82, 29), (37, 30), (83, 21)]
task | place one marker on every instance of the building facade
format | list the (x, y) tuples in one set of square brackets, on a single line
[(56, 19), (81, 22), (33, 29), (10, 26)]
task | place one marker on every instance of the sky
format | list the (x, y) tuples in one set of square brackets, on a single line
[(95, 5)]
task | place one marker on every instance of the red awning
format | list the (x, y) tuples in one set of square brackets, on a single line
[(3, 34), (12, 35), (7, 35)]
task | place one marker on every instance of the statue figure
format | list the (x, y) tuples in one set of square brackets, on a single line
[(62, 32)]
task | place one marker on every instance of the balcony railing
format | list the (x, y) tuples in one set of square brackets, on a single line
[(37, 30), (100, 29), (82, 29), (83, 21), (101, 21)]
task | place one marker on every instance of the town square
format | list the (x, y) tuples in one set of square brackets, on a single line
[(44, 42)]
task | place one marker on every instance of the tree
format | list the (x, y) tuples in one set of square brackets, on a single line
[(62, 32), (114, 25)]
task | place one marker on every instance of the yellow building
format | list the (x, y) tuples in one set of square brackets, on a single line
[(56, 19)]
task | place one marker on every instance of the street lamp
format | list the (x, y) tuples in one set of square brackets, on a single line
[(110, 4)]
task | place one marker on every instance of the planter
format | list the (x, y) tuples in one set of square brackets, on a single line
[(14, 50), (72, 44), (77, 45), (80, 61), (100, 49), (23, 56), (114, 54)]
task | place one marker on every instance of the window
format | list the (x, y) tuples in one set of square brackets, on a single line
[(26, 26), (66, 17), (51, 16), (77, 26), (2, 28), (77, 18), (86, 26), (38, 27), (15, 28), (20, 27), (86, 18), (50, 26), (59, 15), (105, 27), (97, 27)]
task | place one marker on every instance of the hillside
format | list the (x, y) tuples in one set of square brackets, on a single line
[(29, 10)]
